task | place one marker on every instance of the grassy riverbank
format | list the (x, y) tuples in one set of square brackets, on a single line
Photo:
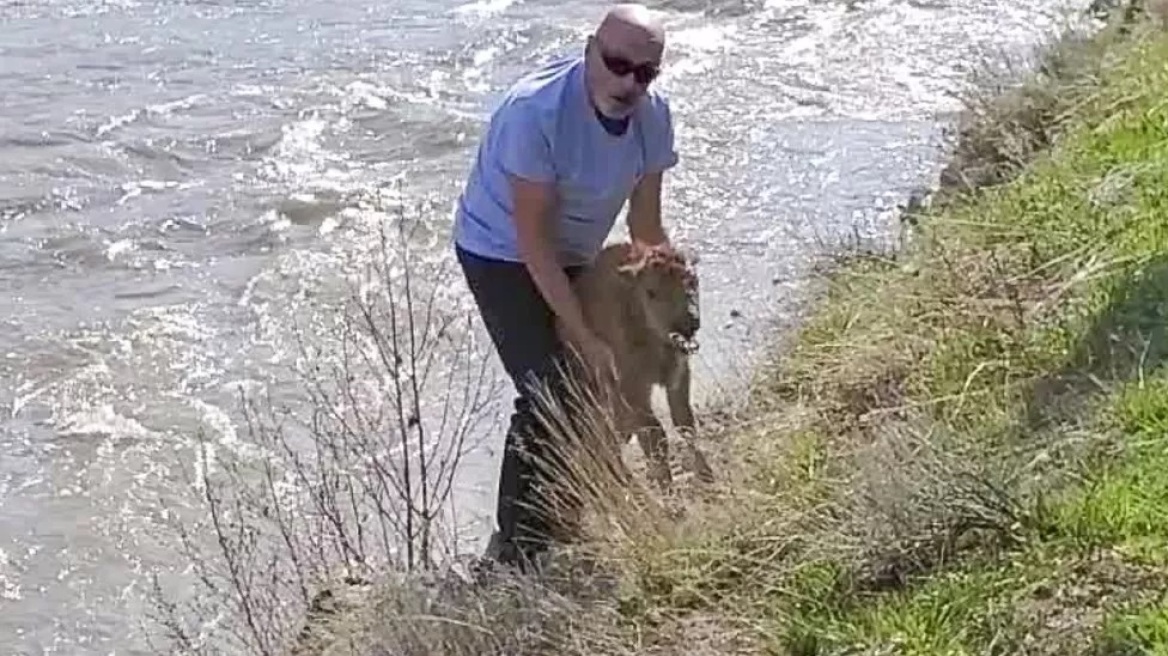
[(963, 452), (972, 435)]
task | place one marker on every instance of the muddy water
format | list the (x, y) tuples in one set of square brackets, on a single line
[(175, 175)]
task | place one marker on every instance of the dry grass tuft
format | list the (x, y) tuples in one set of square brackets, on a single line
[(918, 499), (1014, 113)]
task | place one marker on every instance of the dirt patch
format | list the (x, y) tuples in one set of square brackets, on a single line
[(1064, 614)]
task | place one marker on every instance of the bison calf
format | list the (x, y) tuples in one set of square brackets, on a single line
[(644, 304)]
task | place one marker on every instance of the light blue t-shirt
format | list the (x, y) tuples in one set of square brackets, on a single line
[(545, 129)]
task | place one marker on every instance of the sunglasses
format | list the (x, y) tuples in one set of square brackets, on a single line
[(620, 67)]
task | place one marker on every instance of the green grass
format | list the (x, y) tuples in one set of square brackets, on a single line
[(1142, 630)]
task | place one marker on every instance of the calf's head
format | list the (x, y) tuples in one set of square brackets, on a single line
[(665, 286)]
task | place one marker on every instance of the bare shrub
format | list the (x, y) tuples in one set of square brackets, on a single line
[(350, 481)]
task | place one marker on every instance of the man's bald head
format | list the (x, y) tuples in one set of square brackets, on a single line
[(624, 55), (633, 23)]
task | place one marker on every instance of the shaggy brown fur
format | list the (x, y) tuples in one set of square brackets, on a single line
[(644, 304)]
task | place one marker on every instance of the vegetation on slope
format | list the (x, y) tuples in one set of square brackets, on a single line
[(972, 428)]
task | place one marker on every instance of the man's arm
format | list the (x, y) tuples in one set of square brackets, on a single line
[(533, 202), (644, 215), (526, 157)]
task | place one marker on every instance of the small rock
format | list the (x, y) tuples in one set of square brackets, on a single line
[(735, 314)]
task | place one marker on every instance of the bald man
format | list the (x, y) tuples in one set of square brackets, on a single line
[(568, 145)]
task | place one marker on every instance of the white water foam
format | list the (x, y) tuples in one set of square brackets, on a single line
[(483, 8)]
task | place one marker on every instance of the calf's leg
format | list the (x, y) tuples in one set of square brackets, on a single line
[(677, 392), (650, 434)]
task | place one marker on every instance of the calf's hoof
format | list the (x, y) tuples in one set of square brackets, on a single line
[(702, 468)]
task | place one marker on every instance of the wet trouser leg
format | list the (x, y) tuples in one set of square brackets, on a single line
[(522, 328)]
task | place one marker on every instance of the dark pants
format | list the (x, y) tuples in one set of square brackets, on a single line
[(522, 328)]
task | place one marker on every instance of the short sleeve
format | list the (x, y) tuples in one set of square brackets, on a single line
[(520, 145), (660, 151)]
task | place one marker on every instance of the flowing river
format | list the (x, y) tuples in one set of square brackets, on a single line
[(173, 171)]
